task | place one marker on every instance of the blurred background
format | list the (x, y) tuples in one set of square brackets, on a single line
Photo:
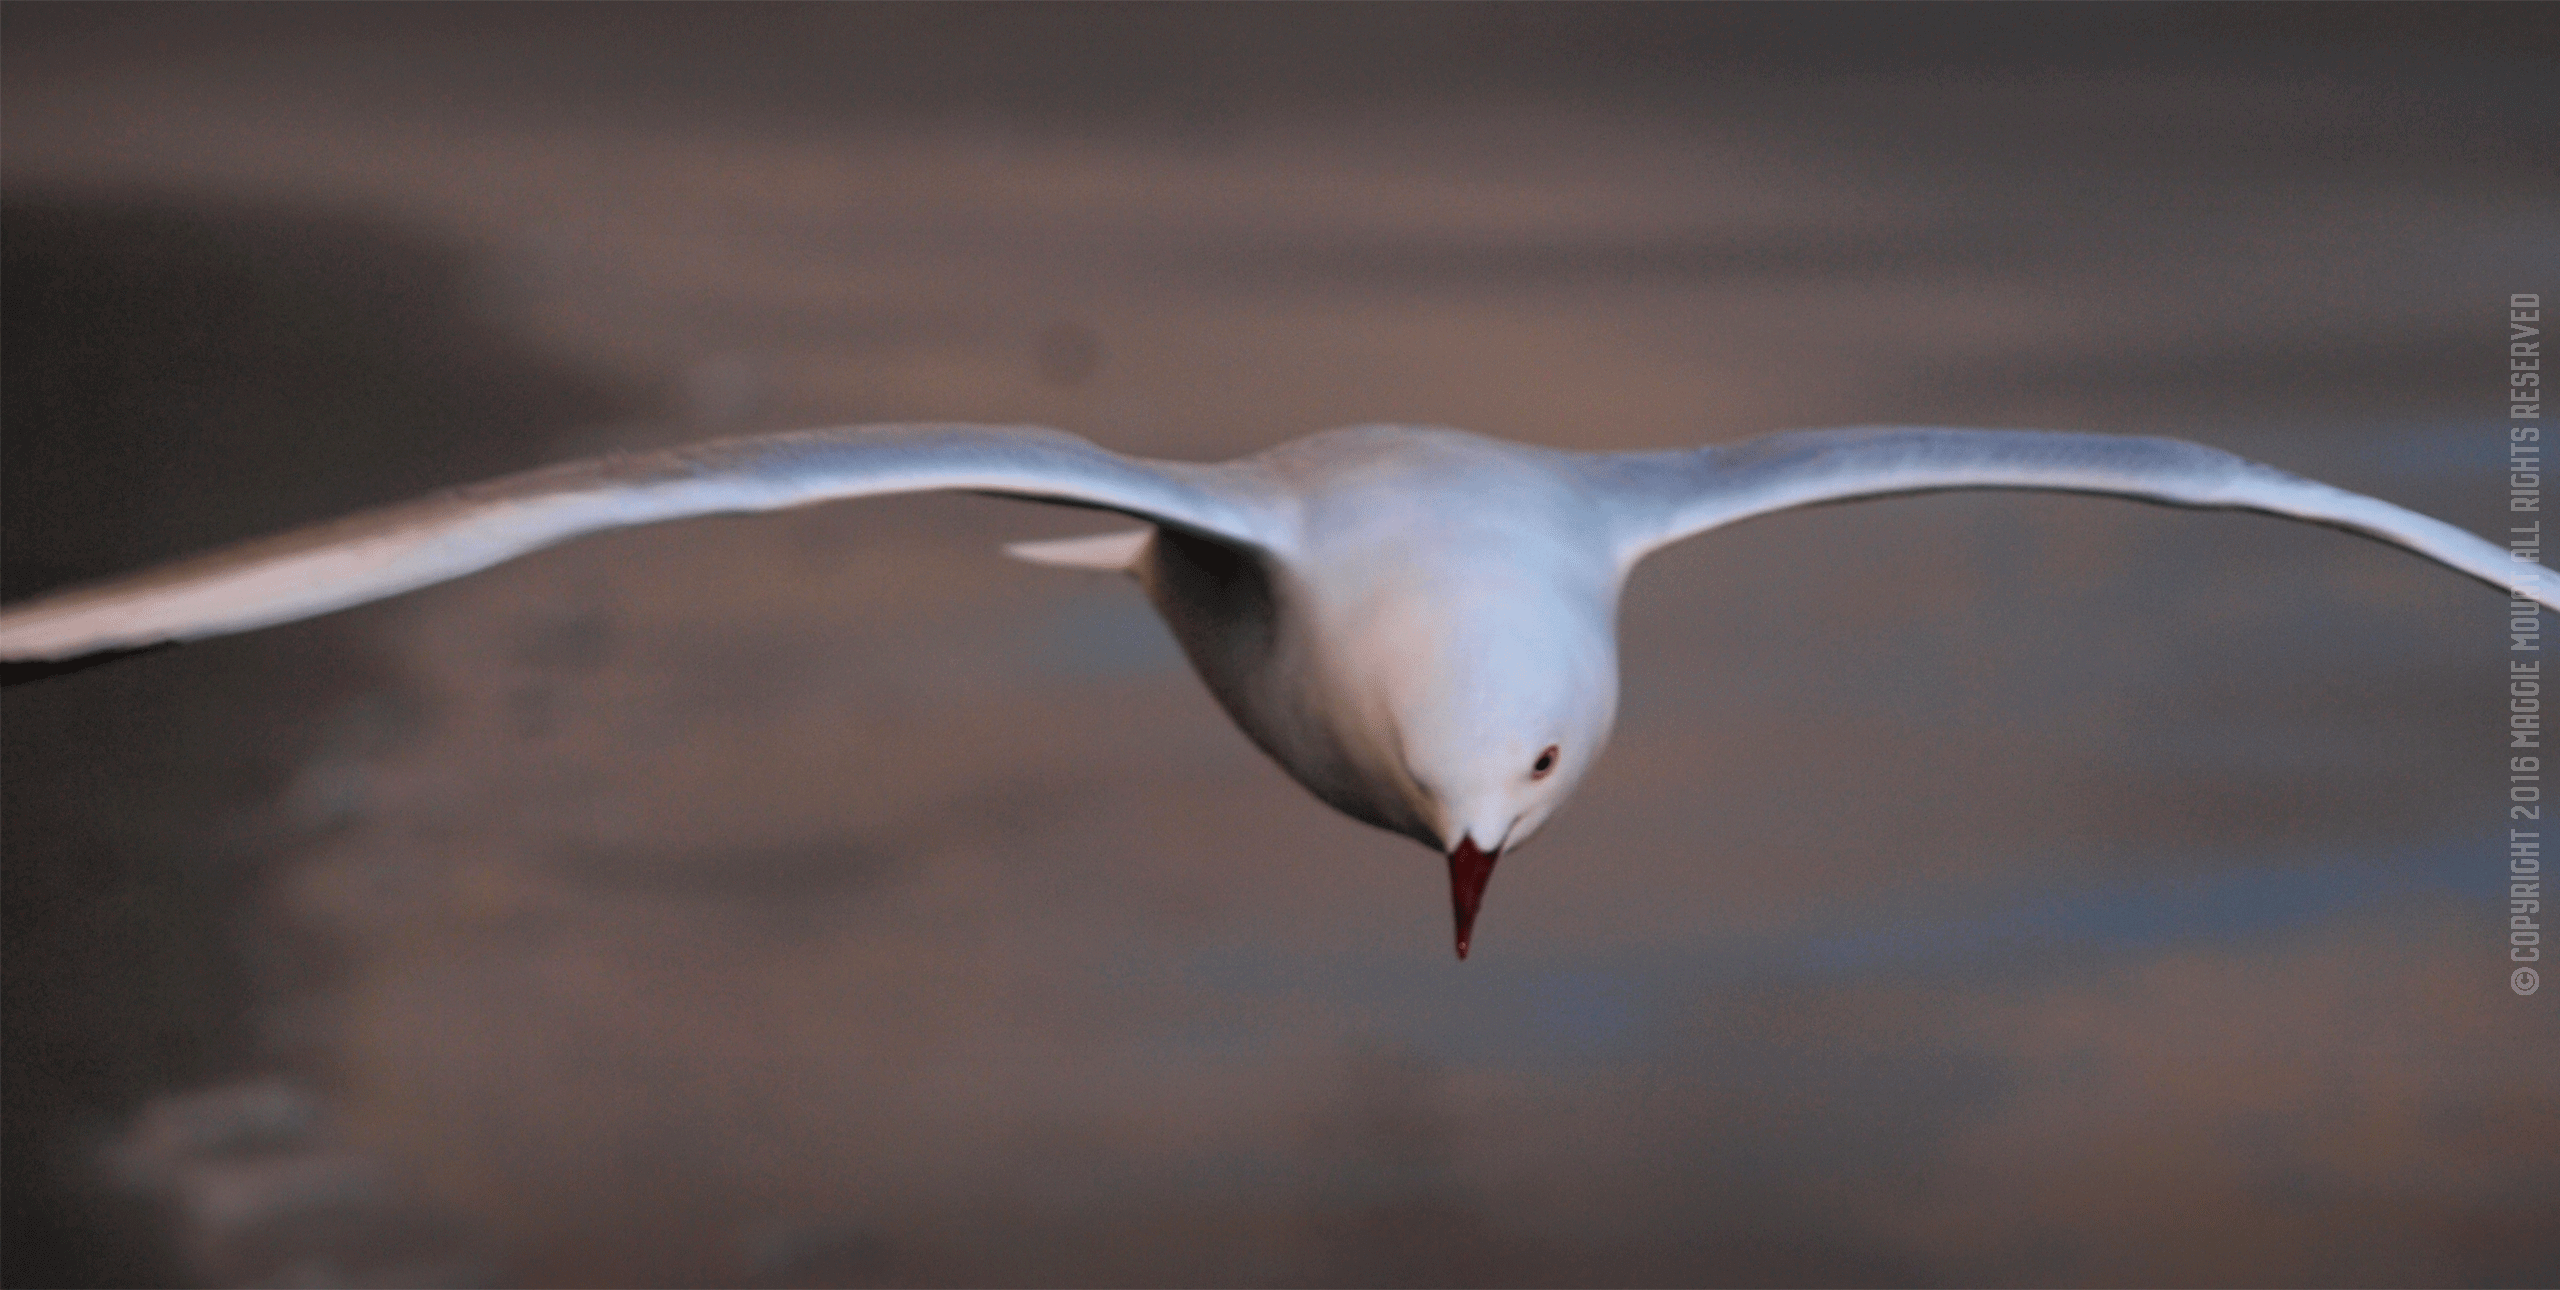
[(1981, 889)]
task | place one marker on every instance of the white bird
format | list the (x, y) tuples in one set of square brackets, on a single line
[(1418, 624)]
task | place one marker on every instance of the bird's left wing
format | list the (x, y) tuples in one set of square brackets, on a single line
[(1659, 498), (384, 552)]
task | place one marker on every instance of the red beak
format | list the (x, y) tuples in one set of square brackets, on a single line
[(1469, 871)]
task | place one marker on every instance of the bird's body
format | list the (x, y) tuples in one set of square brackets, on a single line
[(1424, 574), (1418, 624)]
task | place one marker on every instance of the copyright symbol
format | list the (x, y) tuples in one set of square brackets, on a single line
[(2525, 981)]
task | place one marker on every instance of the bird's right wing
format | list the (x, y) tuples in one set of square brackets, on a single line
[(369, 556), (1661, 497)]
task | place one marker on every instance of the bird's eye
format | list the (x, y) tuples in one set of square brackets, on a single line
[(1546, 762)]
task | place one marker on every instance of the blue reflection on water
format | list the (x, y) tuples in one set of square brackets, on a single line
[(1109, 633), (2194, 907), (1585, 1011)]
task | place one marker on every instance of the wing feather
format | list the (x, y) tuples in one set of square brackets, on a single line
[(399, 548), (1664, 497)]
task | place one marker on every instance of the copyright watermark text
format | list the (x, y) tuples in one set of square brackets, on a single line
[(2524, 644)]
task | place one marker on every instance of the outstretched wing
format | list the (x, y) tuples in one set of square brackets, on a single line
[(399, 548), (1660, 498)]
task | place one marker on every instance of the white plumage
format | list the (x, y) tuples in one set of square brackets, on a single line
[(1417, 624)]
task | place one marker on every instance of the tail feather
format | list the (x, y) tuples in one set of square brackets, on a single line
[(1106, 553)]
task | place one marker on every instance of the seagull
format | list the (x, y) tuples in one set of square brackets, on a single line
[(1418, 624)]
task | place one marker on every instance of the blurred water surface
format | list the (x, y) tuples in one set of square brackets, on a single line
[(1981, 889)]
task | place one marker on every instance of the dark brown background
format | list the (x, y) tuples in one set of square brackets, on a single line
[(1981, 889)]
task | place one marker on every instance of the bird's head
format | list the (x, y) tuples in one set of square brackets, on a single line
[(1492, 732)]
